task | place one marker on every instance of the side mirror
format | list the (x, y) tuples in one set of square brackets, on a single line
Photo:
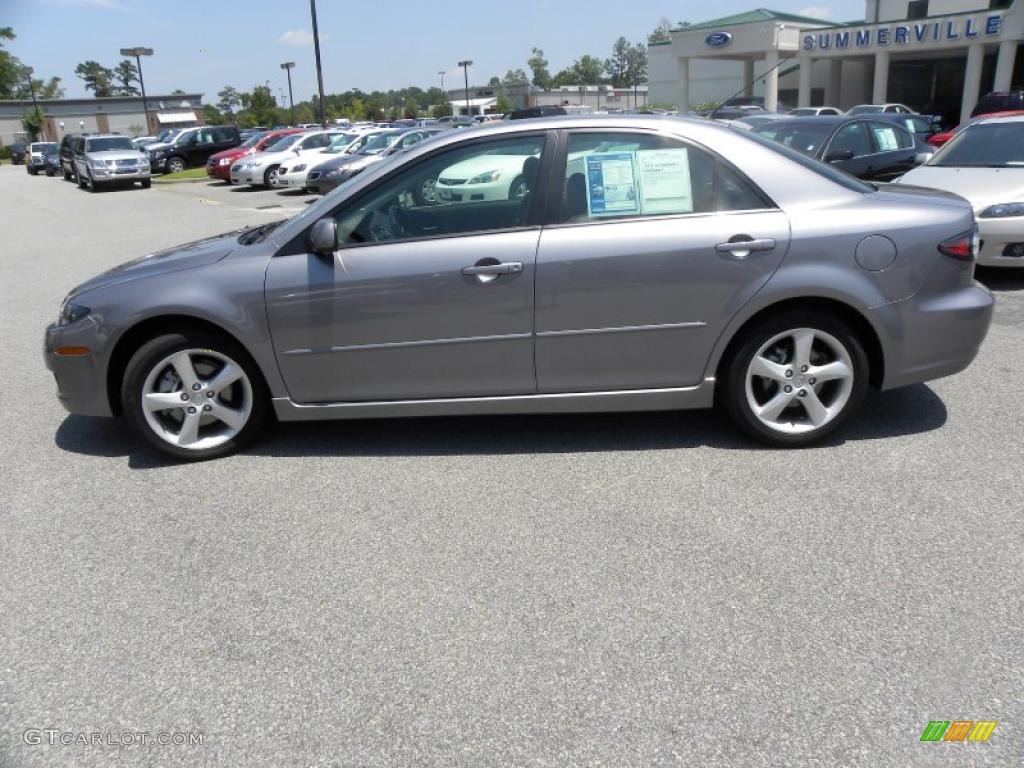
[(838, 155), (323, 238), (922, 157)]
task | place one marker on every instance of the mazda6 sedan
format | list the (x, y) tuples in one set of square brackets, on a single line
[(670, 264)]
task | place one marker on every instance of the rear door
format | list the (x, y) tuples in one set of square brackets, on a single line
[(651, 246), (895, 151)]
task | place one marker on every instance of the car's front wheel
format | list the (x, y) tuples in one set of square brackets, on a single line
[(194, 396), (795, 379), (270, 177)]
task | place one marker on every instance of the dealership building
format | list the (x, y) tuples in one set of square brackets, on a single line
[(938, 56), (112, 114)]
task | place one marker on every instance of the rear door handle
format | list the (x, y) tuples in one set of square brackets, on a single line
[(493, 270), (743, 248)]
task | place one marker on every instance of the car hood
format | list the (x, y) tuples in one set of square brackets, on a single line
[(981, 186), (262, 158), (467, 169), (340, 161), (195, 254), (232, 154)]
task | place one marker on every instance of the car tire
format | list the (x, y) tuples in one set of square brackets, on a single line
[(90, 182), (175, 165), (270, 177), (67, 174), (79, 180), (785, 352), (147, 183), (49, 172), (168, 425), (425, 192), (517, 189)]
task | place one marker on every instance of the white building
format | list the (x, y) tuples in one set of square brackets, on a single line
[(936, 55)]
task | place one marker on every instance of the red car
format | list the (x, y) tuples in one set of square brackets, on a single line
[(938, 139), (219, 165)]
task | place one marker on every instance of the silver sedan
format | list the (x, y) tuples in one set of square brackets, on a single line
[(650, 264)]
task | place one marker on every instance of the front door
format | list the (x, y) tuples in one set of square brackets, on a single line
[(426, 298), (657, 245)]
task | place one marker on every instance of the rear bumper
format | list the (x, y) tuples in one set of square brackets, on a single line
[(934, 336)]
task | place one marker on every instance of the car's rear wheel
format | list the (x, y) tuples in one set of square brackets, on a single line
[(795, 379), (67, 174), (49, 172), (194, 396), (175, 165)]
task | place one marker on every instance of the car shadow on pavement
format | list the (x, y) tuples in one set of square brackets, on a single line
[(908, 411), (1001, 279)]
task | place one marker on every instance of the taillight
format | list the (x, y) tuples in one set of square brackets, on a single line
[(964, 246)]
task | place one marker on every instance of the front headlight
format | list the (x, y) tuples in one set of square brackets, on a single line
[(71, 313), (335, 172), (1002, 210), (224, 161), (298, 168), (485, 178)]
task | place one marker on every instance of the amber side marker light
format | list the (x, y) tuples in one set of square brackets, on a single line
[(72, 351)]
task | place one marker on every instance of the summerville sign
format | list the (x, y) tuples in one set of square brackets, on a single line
[(946, 30)]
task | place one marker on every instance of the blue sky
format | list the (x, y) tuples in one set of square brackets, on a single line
[(202, 45)]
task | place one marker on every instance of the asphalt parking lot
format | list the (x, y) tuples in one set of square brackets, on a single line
[(620, 590)]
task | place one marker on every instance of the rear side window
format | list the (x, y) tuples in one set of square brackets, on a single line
[(829, 172), (629, 175), (889, 137)]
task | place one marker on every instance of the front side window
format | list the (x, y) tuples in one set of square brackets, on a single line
[(317, 141), (628, 175), (851, 138), (889, 137), (483, 187)]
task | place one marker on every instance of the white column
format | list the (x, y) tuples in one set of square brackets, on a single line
[(804, 93), (748, 77), (1004, 65), (972, 79), (683, 76), (880, 91), (771, 81), (834, 83)]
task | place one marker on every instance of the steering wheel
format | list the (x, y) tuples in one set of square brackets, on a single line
[(401, 225)]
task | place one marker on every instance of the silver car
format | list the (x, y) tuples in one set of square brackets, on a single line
[(104, 160), (670, 264)]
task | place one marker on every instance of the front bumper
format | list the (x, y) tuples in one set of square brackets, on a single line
[(252, 176), (222, 172), (81, 379), (295, 180), (321, 183), (157, 164), (1002, 242), (115, 176)]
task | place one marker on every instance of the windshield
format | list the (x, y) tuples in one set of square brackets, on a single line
[(830, 172), (378, 143), (804, 137), (338, 143), (282, 143), (51, 149), (866, 109), (42, 146), (984, 145), (108, 144), (252, 141)]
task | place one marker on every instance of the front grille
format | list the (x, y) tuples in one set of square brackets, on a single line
[(451, 182)]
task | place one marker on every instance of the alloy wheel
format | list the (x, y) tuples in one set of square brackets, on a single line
[(197, 399), (799, 381)]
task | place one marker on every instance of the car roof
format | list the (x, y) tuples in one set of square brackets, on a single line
[(1003, 119)]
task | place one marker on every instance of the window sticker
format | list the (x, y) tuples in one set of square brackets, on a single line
[(665, 181), (611, 184), (886, 139)]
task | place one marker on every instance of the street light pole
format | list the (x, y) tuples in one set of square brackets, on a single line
[(319, 71), (465, 70), (287, 67), (138, 53)]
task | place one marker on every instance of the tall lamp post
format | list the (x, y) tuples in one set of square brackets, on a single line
[(465, 71), (287, 67), (138, 53), (319, 71), (441, 73)]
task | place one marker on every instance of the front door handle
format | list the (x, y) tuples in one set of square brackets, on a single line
[(493, 270), (742, 248)]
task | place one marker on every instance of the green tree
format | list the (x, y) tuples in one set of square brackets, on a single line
[(538, 65), (51, 89), (127, 74), (412, 110), (503, 105), (228, 101), (97, 78), (178, 92), (586, 70), (212, 115), (374, 110), (636, 67), (33, 122), (662, 33), (494, 81), (440, 110), (618, 65), (10, 67), (262, 106), (516, 77)]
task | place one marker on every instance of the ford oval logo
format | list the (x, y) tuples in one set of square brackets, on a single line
[(718, 39)]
